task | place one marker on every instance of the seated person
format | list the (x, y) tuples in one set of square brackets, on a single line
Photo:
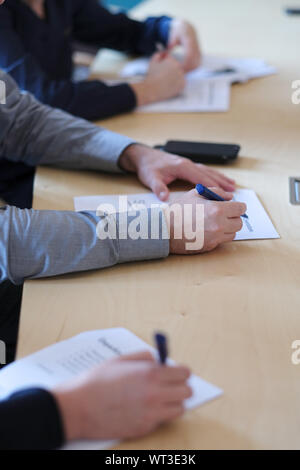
[(123, 398), (38, 243), (36, 38)]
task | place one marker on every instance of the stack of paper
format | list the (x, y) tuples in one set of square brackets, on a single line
[(65, 360), (208, 87)]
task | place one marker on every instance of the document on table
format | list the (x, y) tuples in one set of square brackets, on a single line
[(257, 226), (228, 68), (208, 87), (62, 361), (198, 96)]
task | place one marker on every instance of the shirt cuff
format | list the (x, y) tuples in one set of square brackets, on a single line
[(103, 151), (150, 226)]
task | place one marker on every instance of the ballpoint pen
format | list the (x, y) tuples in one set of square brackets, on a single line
[(210, 195)]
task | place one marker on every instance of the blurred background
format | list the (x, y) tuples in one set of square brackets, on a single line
[(118, 5)]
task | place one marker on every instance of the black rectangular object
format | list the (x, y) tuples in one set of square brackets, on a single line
[(203, 152)]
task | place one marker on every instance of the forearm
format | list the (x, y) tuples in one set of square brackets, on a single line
[(95, 24), (37, 244), (38, 135)]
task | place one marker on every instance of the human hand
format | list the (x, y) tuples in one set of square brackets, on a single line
[(125, 397), (156, 170), (184, 34), (218, 224), (165, 79)]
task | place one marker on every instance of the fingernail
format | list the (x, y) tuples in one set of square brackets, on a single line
[(162, 195)]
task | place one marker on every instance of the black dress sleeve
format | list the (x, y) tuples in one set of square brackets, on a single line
[(30, 419)]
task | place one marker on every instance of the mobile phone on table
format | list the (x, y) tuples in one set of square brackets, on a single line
[(203, 152)]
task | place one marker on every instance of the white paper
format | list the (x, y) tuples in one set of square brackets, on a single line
[(208, 87), (207, 95), (257, 226), (212, 67), (92, 203), (62, 361)]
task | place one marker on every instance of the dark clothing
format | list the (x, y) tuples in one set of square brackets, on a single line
[(38, 53), (16, 187), (30, 420)]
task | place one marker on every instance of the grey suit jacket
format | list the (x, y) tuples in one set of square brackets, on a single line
[(46, 243)]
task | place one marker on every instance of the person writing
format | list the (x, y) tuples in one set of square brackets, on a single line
[(123, 398), (46, 243)]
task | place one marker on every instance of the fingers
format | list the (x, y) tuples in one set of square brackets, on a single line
[(159, 188), (235, 209), (139, 356), (192, 56), (175, 394), (228, 237), (173, 374), (171, 411), (222, 181), (224, 194), (198, 173), (233, 225)]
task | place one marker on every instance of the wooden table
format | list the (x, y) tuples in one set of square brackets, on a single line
[(232, 314)]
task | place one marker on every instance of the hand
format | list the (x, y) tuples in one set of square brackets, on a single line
[(165, 79), (156, 169), (221, 222), (123, 398), (184, 34)]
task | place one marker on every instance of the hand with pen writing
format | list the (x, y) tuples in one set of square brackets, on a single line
[(164, 80), (123, 398)]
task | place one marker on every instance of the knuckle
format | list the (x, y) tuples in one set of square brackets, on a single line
[(240, 225)]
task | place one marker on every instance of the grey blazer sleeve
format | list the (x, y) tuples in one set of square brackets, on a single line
[(36, 134), (35, 244)]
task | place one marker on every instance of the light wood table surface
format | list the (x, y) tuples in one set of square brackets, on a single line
[(232, 314)]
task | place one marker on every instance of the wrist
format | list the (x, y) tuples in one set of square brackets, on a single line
[(145, 92), (70, 409), (131, 157)]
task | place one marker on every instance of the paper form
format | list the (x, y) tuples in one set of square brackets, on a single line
[(257, 226), (62, 361), (198, 96)]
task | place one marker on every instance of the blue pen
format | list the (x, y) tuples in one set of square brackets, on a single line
[(162, 347), (210, 195)]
